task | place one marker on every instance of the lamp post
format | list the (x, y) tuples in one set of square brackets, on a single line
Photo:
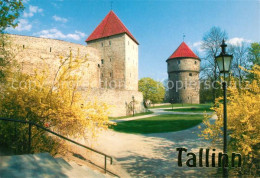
[(172, 103), (133, 105), (224, 61)]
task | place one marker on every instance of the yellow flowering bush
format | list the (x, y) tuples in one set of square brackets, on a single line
[(243, 113), (58, 104)]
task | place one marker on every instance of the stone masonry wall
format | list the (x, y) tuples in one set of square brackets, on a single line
[(119, 68), (112, 54), (119, 100), (131, 64), (39, 53)]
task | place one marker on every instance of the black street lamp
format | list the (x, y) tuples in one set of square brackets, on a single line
[(224, 61), (133, 105)]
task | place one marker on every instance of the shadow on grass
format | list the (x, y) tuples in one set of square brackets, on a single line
[(158, 124)]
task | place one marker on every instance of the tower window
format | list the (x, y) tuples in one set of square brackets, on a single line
[(110, 43), (98, 66), (102, 61), (110, 74), (195, 62), (179, 62), (190, 74), (110, 59), (102, 44)]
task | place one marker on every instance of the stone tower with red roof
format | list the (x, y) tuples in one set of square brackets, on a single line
[(183, 75), (118, 50)]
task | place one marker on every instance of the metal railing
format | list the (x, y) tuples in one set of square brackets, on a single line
[(65, 138)]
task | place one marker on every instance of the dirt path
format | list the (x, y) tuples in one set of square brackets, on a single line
[(154, 155)]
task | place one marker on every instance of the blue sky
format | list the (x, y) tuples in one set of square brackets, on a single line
[(157, 25)]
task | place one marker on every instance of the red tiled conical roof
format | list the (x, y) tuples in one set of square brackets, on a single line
[(183, 51), (110, 25)]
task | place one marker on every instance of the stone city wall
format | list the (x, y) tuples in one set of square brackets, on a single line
[(42, 53)]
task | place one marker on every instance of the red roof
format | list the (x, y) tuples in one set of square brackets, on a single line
[(183, 51), (110, 25)]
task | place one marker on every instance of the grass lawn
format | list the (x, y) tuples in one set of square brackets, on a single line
[(184, 105), (195, 109), (122, 117), (158, 124)]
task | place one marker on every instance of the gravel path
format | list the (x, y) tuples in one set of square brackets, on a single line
[(155, 155)]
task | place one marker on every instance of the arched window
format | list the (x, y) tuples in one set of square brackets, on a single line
[(102, 61)]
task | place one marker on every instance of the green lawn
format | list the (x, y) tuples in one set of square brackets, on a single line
[(158, 124), (184, 105), (191, 109), (122, 117)]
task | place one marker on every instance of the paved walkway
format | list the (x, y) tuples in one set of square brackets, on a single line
[(156, 112), (155, 155)]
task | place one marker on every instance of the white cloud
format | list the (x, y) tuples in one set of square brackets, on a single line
[(56, 34), (197, 46), (25, 1), (59, 19), (32, 10), (238, 41), (23, 25)]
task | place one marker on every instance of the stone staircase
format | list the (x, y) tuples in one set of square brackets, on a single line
[(43, 165)]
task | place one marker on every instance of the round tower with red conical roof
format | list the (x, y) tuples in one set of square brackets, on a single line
[(183, 75)]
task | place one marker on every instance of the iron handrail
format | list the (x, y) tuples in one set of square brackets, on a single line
[(65, 138)]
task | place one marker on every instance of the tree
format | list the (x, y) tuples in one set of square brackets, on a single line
[(240, 58), (9, 12), (254, 53), (243, 120), (211, 42), (151, 89)]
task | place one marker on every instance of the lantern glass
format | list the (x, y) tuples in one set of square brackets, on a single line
[(224, 62)]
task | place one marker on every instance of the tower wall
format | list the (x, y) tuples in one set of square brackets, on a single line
[(183, 75), (119, 69)]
